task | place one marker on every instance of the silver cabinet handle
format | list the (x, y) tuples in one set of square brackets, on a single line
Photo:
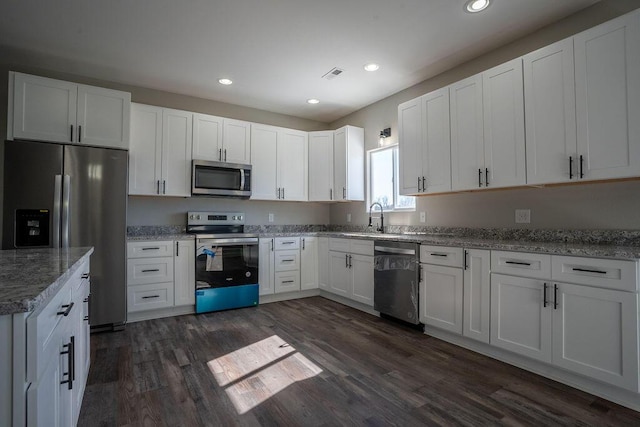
[(177, 249), (66, 312), (282, 193), (288, 260), (220, 154), (344, 192), (155, 248), (151, 270), (158, 189), (287, 243), (85, 276), (486, 177), (588, 270), (518, 263), (71, 133), (346, 260), (271, 245), (419, 185), (225, 154), (424, 188), (79, 133), (287, 281), (464, 263), (442, 255), (151, 296), (544, 295), (303, 243), (555, 296), (164, 187), (479, 177), (331, 194), (570, 167), (350, 264), (581, 164)]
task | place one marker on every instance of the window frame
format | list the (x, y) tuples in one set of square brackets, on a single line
[(396, 174)]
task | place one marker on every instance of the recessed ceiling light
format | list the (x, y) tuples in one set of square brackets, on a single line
[(313, 101), (225, 81), (476, 5), (371, 67)]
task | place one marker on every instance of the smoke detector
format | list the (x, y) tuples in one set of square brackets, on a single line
[(333, 73)]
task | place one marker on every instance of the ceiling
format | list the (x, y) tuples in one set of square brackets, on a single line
[(276, 52)]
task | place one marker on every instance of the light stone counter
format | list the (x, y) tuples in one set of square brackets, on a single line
[(29, 277)]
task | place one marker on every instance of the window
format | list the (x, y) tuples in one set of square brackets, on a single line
[(382, 177)]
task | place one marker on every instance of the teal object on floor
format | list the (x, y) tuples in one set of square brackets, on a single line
[(226, 298)]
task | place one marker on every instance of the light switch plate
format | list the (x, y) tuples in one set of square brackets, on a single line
[(423, 216), (523, 216), (271, 216)]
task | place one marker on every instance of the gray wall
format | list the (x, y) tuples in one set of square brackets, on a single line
[(606, 205)]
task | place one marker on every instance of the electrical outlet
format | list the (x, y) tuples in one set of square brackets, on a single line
[(423, 216), (348, 217), (523, 216), (271, 216)]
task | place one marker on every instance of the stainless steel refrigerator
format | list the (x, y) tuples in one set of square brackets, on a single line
[(67, 196)]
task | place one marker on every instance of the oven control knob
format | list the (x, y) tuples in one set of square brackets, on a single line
[(233, 218), (190, 216), (239, 217), (199, 217)]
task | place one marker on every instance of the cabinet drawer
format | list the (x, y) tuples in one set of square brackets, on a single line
[(339, 245), (362, 247), (149, 297), (442, 255), (287, 260), (536, 266), (287, 281), (286, 243), (149, 270), (603, 273), (150, 249)]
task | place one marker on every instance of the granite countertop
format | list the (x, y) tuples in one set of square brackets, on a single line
[(504, 242), (29, 277)]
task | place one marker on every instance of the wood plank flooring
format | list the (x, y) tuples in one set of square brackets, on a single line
[(314, 362)]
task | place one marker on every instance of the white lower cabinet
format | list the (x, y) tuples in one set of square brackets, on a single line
[(323, 263), (589, 327), (160, 276), (309, 272), (477, 294), (279, 268), (351, 269)]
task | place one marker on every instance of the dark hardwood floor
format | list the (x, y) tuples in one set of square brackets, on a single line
[(313, 362)]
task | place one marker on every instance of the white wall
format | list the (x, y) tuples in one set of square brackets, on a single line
[(595, 206)]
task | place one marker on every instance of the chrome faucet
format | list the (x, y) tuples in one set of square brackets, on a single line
[(381, 227)]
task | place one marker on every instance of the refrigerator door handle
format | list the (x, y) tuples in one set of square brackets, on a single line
[(66, 193), (57, 195)]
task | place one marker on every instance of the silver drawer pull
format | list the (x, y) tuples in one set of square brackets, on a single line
[(287, 281), (151, 296), (443, 255), (85, 276), (288, 243), (151, 249), (586, 270), (150, 271), (518, 263), (288, 260)]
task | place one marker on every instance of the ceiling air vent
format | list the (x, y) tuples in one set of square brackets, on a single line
[(333, 73)]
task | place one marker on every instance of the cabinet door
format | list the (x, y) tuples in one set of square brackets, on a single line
[(340, 164), (145, 153), (103, 117), (184, 272), (177, 134), (519, 320), (410, 146), (323, 263), (550, 110), (321, 166), (237, 142), (436, 148), (477, 295), (265, 270), (607, 61), (207, 137), (292, 164), (595, 333), (44, 109), (355, 163), (503, 99), (441, 297), (48, 401), (264, 179), (309, 263), (467, 134), (362, 275), (339, 274)]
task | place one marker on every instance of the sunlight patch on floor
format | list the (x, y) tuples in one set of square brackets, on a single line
[(259, 371)]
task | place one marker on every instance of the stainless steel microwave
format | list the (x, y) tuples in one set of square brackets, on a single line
[(220, 179)]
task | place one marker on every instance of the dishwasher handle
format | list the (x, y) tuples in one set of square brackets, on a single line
[(388, 250)]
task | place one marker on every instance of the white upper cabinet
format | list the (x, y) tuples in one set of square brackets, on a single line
[(292, 164), (207, 137), (279, 160), (348, 163), (321, 166), (425, 144), (45, 109), (221, 140), (160, 155), (236, 139), (410, 146), (550, 112), (504, 157), (607, 70), (467, 135)]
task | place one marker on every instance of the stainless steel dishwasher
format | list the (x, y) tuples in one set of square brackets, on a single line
[(396, 280)]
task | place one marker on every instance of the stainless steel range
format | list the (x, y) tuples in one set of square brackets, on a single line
[(226, 261)]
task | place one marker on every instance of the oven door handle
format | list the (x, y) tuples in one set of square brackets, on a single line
[(229, 241)]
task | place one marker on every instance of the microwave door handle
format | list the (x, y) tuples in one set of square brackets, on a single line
[(57, 196), (241, 179)]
